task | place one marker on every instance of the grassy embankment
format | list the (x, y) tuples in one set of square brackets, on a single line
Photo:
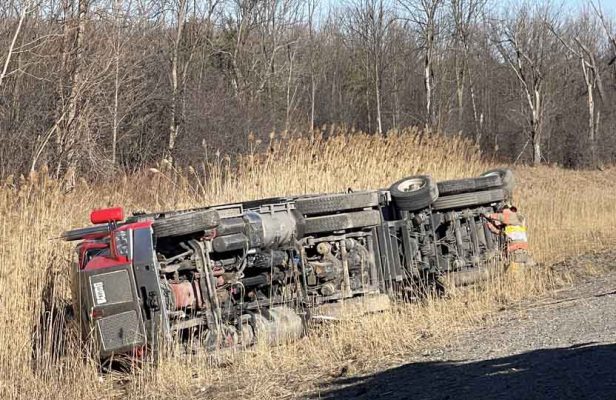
[(569, 212)]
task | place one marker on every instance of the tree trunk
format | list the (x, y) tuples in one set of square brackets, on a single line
[(116, 84), (367, 66), (173, 120), (312, 78), (428, 85), (312, 95), (536, 147), (396, 110), (476, 117), (460, 76), (22, 17), (377, 95), (71, 130), (115, 123), (536, 125), (290, 98), (591, 123)]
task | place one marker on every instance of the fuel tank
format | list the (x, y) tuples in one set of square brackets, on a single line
[(272, 226)]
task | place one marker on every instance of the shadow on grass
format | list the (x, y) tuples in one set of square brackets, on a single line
[(585, 371)]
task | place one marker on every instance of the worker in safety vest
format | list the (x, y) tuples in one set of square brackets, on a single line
[(513, 224)]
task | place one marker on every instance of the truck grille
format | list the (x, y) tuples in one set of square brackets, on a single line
[(111, 288), (119, 330)]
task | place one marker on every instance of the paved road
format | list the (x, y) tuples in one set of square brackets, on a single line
[(563, 347)]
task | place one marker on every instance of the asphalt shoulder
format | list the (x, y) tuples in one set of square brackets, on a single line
[(562, 346)]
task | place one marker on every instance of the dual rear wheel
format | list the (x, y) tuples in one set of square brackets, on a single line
[(417, 192)]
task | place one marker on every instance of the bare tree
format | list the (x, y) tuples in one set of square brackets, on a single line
[(174, 124), (523, 40), (611, 36), (7, 61), (424, 15), (240, 23), (464, 14), (185, 40), (117, 47), (312, 46), (369, 21), (68, 123), (579, 41), (276, 70)]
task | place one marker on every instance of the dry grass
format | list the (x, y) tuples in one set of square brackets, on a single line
[(569, 213)]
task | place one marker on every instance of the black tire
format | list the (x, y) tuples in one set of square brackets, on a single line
[(187, 223), (458, 186), (336, 202), (338, 222), (469, 199), (506, 176), (414, 192)]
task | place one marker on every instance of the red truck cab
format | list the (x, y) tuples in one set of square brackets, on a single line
[(115, 295)]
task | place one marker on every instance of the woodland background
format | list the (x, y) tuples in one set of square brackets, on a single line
[(96, 86)]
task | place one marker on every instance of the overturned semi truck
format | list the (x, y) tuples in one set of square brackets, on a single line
[(233, 274)]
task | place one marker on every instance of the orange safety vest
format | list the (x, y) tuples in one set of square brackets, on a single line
[(514, 227)]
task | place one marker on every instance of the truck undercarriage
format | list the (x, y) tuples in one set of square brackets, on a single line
[(234, 274)]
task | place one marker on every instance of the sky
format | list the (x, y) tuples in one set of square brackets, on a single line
[(570, 7), (609, 6)]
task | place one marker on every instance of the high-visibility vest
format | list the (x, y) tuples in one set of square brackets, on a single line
[(514, 229), (516, 237)]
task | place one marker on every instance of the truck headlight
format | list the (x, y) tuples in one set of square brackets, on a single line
[(122, 241)]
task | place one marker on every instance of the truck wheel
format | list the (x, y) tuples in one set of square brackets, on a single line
[(414, 193), (457, 186), (338, 222), (506, 176), (187, 223), (336, 202), (469, 199)]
